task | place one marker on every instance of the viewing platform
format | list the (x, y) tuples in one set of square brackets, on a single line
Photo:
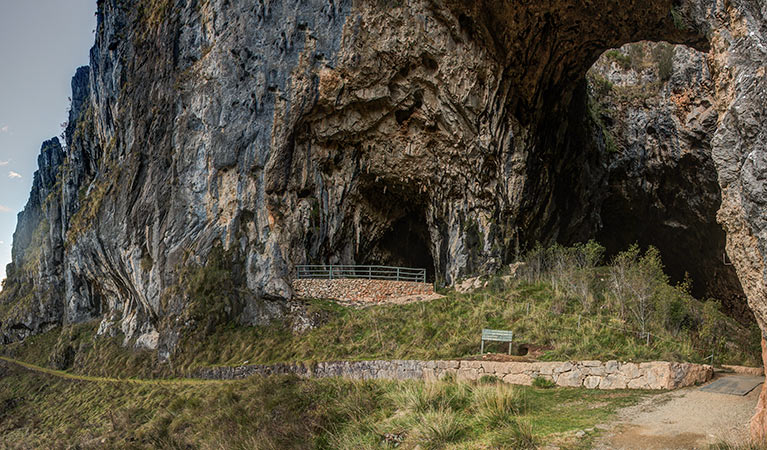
[(360, 285)]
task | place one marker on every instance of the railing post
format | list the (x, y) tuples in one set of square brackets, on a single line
[(397, 273), (370, 272), (331, 271)]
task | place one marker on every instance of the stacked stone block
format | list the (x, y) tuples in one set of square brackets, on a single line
[(587, 374)]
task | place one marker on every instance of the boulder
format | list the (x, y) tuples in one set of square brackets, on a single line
[(592, 382), (573, 378), (614, 381)]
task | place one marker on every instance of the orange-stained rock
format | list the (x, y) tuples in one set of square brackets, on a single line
[(759, 421)]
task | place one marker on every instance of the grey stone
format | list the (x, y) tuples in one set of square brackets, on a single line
[(591, 382), (613, 381), (574, 378)]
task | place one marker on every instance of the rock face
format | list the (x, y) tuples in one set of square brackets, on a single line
[(212, 146), (655, 104)]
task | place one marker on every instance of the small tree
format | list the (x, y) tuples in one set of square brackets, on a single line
[(635, 281), (585, 259), (712, 329)]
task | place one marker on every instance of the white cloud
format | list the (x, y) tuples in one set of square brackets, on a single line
[(2, 242), (4, 129), (4, 209), (3, 163), (12, 174)]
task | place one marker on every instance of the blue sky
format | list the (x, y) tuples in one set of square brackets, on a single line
[(42, 42)]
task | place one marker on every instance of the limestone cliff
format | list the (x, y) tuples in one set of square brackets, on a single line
[(655, 105), (214, 145)]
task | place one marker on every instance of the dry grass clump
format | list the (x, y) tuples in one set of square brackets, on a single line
[(53, 409)]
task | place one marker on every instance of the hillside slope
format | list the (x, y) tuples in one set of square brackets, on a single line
[(214, 145)]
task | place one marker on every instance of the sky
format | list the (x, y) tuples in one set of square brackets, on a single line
[(42, 42)]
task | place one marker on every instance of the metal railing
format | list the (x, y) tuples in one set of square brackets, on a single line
[(333, 271)]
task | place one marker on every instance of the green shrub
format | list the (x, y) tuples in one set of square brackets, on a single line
[(636, 52), (679, 21), (663, 55), (602, 86), (543, 383), (570, 270), (499, 404), (623, 60), (489, 379), (635, 280), (436, 429), (425, 397), (212, 289), (713, 328)]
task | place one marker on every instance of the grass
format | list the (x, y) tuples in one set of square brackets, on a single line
[(747, 446), (564, 302), (51, 409), (543, 383), (446, 328), (449, 328)]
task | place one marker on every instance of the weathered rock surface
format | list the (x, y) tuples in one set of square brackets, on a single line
[(212, 146), (655, 104)]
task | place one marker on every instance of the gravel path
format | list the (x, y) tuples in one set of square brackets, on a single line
[(682, 419)]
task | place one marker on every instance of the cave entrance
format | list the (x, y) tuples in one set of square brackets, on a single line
[(394, 215), (405, 244), (661, 183)]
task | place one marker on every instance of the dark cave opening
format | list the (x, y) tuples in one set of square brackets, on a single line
[(660, 183), (405, 244), (393, 215)]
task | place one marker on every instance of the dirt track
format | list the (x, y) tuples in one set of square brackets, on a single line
[(682, 419)]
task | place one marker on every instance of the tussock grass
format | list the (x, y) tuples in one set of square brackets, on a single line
[(436, 429), (42, 409), (497, 405), (518, 435), (446, 328), (746, 446), (563, 301)]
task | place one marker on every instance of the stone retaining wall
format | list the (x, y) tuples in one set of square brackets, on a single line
[(359, 290), (588, 374), (745, 370)]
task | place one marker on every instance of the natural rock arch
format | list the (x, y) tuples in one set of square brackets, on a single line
[(256, 125)]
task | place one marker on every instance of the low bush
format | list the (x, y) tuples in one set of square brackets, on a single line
[(489, 379), (45, 410), (543, 383), (518, 435)]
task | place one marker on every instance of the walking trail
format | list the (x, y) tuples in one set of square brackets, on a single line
[(71, 376), (682, 419)]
